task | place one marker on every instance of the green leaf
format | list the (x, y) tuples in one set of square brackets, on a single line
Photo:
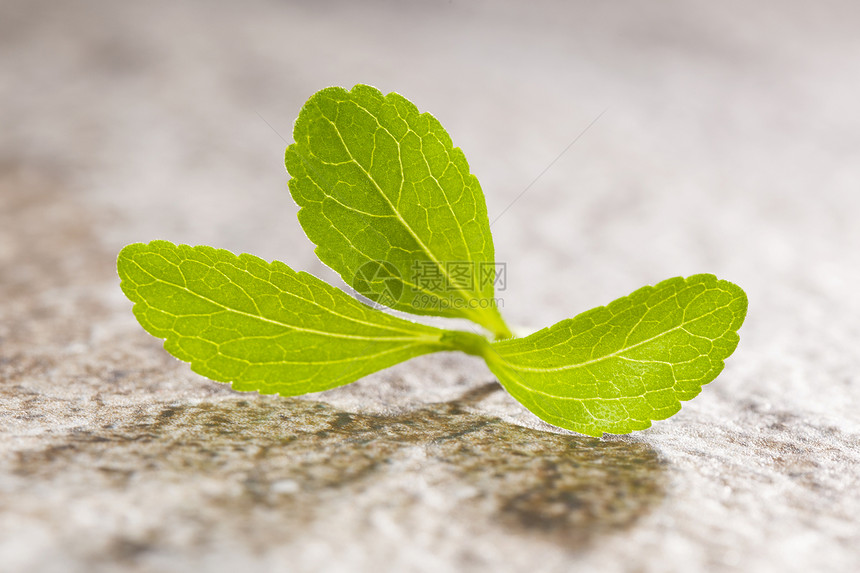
[(391, 205), (262, 326), (616, 368)]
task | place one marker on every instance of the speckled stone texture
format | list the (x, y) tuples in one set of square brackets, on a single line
[(729, 144)]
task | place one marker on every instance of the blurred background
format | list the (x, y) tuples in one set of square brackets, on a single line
[(706, 137)]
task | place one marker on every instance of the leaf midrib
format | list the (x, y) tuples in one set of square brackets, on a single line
[(411, 284), (619, 351), (279, 323), (467, 295)]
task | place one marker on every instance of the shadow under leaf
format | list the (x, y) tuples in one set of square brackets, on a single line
[(299, 458)]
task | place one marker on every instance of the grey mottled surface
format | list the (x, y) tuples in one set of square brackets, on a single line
[(730, 144)]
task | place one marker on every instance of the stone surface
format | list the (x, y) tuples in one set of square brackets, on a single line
[(729, 145)]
